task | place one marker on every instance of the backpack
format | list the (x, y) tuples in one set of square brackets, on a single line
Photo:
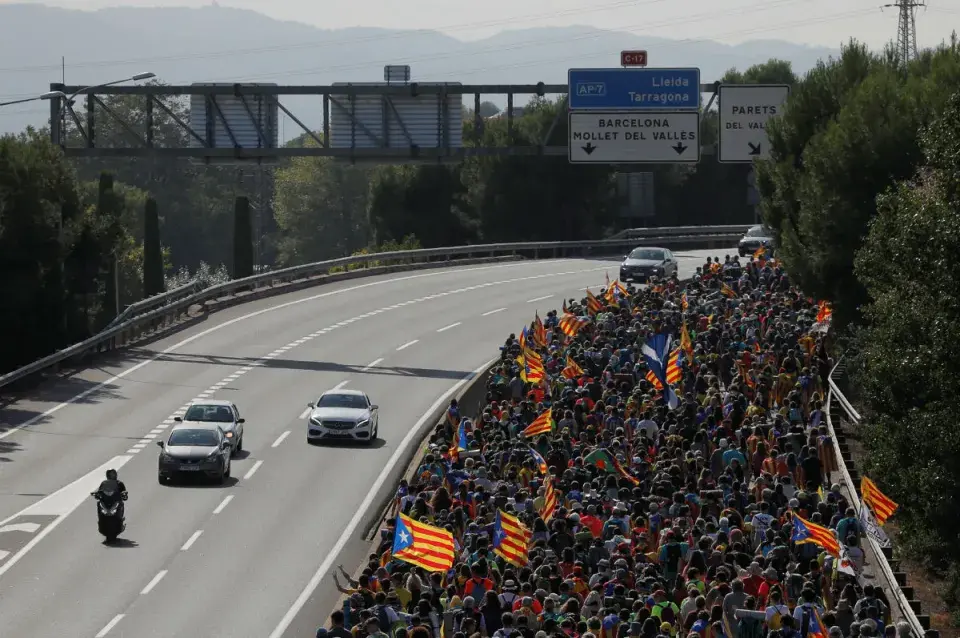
[(674, 554), (382, 619), (776, 622), (479, 590), (805, 622), (667, 613)]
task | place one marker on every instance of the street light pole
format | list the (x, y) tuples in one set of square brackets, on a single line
[(67, 100), (60, 94)]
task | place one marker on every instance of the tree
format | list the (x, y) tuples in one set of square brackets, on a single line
[(153, 283), (909, 351), (848, 133), (773, 71), (242, 239)]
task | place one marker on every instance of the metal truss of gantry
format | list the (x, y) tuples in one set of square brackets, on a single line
[(240, 123)]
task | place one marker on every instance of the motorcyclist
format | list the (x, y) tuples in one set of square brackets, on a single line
[(114, 484)]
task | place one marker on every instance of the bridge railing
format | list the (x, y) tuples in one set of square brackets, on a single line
[(898, 598), (165, 310)]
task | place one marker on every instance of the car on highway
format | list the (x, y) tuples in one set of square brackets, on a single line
[(755, 237), (343, 415), (223, 413), (194, 449), (645, 262)]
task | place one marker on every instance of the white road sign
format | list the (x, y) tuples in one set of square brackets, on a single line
[(634, 137), (745, 110)]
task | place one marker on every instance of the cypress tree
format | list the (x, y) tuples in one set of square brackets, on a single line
[(242, 239), (153, 283)]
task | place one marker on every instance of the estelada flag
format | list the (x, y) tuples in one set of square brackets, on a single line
[(880, 504), (423, 545)]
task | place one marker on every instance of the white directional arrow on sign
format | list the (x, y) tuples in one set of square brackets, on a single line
[(29, 528)]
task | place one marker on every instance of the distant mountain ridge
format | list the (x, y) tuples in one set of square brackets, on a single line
[(218, 44)]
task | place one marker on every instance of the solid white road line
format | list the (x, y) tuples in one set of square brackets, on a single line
[(190, 541), (491, 312), (372, 364), (252, 470), (452, 325), (407, 345), (368, 500), (539, 298), (110, 625), (280, 439), (153, 583), (223, 504)]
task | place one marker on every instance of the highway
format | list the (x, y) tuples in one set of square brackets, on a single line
[(251, 558)]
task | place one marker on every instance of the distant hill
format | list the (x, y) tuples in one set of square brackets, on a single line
[(183, 45)]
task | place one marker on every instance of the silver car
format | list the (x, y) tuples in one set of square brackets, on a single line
[(643, 263), (197, 449), (343, 415), (223, 413)]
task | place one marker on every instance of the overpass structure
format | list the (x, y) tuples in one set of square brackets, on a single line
[(622, 116)]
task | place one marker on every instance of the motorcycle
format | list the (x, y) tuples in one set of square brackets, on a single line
[(110, 513)]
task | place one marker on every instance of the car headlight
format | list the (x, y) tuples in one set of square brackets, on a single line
[(229, 435), (315, 421), (363, 424)]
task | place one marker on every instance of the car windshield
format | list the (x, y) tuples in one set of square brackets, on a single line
[(758, 231), (342, 401), (209, 413), (198, 438), (647, 253)]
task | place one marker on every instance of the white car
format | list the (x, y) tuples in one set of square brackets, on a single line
[(223, 413), (343, 415)]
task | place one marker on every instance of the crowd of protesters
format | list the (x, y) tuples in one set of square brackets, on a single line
[(660, 496)]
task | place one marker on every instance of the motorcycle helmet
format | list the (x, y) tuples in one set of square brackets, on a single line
[(111, 475)]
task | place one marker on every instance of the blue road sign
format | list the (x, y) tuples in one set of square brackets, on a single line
[(634, 89)]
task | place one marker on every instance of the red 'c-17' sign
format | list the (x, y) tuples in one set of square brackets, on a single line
[(633, 58)]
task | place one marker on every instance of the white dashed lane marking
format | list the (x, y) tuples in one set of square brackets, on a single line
[(407, 345), (252, 470), (153, 582), (445, 328), (190, 541), (492, 312), (110, 625), (223, 504), (539, 298), (372, 364), (280, 439)]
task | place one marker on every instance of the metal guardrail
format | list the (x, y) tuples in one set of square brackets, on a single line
[(668, 231), (902, 603), (165, 309)]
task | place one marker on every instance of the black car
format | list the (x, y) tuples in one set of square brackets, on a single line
[(643, 263), (756, 237)]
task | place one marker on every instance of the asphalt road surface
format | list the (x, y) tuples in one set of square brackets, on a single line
[(249, 559)]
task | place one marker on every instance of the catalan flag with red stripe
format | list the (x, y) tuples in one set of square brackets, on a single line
[(572, 370), (511, 540), (674, 373), (571, 325), (539, 332), (727, 291), (422, 545), (806, 532), (593, 304), (549, 500), (686, 344), (880, 504), (654, 381), (543, 424)]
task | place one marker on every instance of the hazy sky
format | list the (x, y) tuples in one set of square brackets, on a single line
[(821, 22)]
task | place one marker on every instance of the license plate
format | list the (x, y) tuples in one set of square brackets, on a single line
[(189, 468)]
